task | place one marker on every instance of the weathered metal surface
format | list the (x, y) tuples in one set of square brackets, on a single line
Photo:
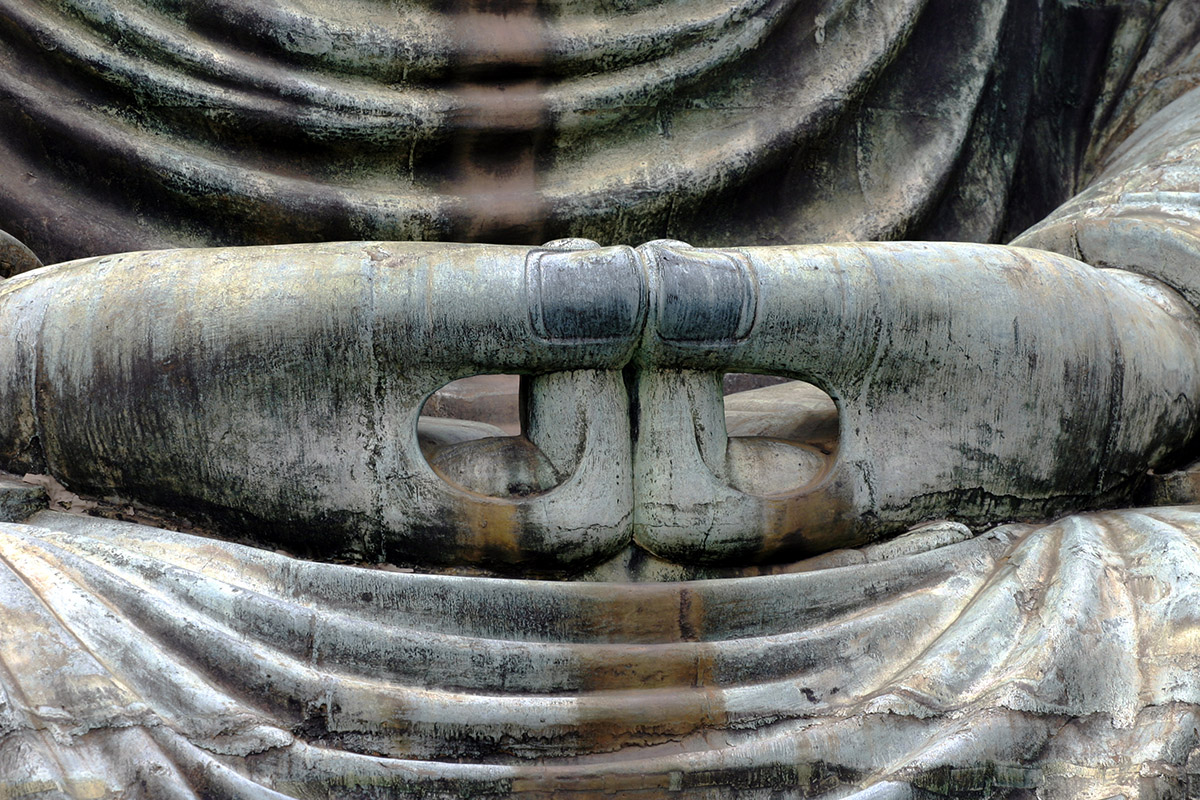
[(140, 124), (960, 386), (20, 500), (789, 410), (1140, 212), (490, 399), (1052, 661), (295, 377), (157, 664), (15, 257), (281, 387)]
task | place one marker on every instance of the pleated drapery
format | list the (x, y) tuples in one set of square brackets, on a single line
[(136, 657)]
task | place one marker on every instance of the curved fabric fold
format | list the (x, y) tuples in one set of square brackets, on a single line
[(272, 675), (150, 124)]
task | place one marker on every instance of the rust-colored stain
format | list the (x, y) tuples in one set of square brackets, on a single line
[(665, 666), (637, 613), (613, 720), (807, 523), (491, 530)]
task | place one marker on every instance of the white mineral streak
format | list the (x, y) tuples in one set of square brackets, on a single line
[(137, 656)]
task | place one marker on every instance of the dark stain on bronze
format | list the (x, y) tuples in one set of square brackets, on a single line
[(691, 611), (501, 121), (610, 721), (642, 667)]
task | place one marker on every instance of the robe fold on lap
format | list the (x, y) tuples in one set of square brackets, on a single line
[(140, 660)]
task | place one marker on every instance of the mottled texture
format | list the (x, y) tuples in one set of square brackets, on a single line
[(283, 388), (279, 390), (15, 257), (791, 410), (19, 500), (295, 376), (156, 123), (973, 381), (1142, 212), (1057, 657)]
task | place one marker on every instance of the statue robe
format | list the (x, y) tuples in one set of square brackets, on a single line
[(131, 126), (1059, 658), (137, 662)]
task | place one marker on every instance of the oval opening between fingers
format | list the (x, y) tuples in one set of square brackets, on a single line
[(488, 400), (783, 434), (470, 434)]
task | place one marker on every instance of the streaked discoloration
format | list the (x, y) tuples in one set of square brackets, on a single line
[(944, 665), (281, 388)]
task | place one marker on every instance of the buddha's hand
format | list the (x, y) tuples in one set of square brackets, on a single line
[(279, 389), (283, 386), (975, 382)]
